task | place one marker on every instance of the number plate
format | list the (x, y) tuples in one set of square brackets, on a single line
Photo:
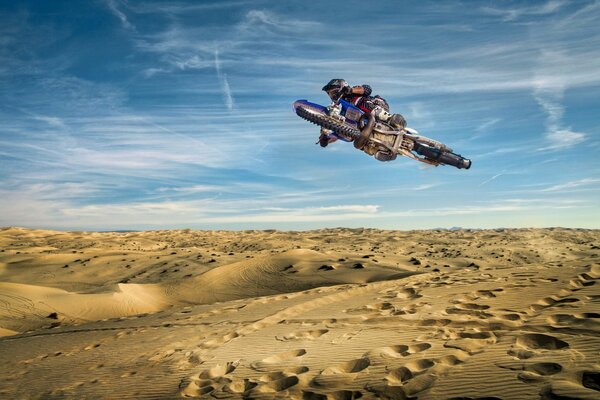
[(352, 114)]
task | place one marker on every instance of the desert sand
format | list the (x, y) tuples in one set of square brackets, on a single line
[(324, 314)]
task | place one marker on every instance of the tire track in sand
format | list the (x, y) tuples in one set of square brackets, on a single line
[(188, 386), (296, 310)]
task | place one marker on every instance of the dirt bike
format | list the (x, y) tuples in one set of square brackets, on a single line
[(377, 138)]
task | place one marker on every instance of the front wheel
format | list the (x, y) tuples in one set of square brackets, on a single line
[(320, 117)]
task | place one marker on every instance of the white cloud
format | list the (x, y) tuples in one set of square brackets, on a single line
[(511, 14), (26, 210), (491, 179), (227, 93), (191, 189), (224, 83), (208, 211), (549, 94), (424, 186), (179, 8), (572, 184), (261, 22), (563, 138), (112, 6), (53, 121), (486, 125), (370, 209), (194, 62)]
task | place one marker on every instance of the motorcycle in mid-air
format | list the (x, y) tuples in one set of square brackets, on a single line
[(377, 138)]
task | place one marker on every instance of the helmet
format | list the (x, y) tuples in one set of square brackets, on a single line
[(334, 88)]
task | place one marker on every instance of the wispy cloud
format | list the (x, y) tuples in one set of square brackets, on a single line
[(511, 14), (199, 212), (182, 8), (224, 83), (50, 120), (262, 21), (424, 186), (550, 100), (483, 128), (209, 212), (491, 179), (113, 6), (549, 95), (191, 189), (572, 185)]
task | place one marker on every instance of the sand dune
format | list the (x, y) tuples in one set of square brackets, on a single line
[(327, 314), (289, 271), (27, 307)]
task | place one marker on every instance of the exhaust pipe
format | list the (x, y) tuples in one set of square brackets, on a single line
[(439, 156)]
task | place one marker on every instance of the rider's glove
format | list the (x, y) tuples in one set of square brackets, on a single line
[(346, 90)]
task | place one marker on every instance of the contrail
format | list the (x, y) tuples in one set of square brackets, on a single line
[(224, 83)]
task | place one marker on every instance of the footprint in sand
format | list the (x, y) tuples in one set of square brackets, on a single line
[(337, 395), (341, 374), (207, 381), (345, 337), (556, 301), (537, 341), (278, 375), (374, 309), (274, 382), (276, 386), (403, 294), (303, 335), (420, 365), (218, 370), (534, 370), (349, 367), (489, 293), (521, 354), (451, 359), (418, 384), (410, 385), (399, 375), (397, 351), (590, 380), (469, 309), (471, 342), (214, 343), (279, 361), (385, 391), (417, 348), (581, 320), (238, 386), (513, 317)]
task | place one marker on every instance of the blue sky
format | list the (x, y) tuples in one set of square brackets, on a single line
[(149, 115)]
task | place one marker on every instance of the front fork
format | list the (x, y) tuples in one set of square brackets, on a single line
[(335, 110)]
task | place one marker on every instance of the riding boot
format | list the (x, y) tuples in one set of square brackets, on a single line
[(323, 140), (324, 137)]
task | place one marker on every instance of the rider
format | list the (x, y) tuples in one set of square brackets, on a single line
[(361, 97)]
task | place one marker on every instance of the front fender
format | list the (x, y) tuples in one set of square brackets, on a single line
[(306, 103)]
